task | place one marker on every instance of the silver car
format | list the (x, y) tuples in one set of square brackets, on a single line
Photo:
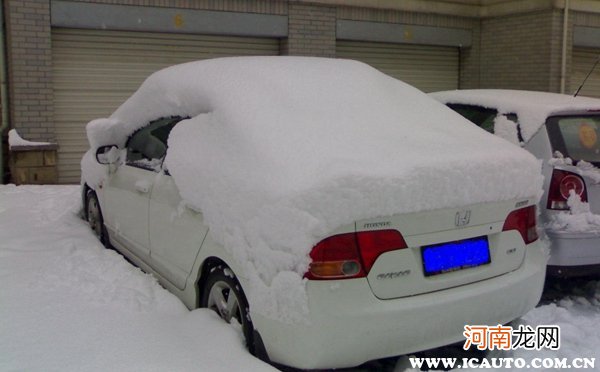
[(562, 131)]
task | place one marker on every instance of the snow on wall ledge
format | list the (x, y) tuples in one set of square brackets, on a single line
[(15, 140), (280, 151)]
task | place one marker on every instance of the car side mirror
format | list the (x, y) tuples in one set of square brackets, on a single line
[(107, 154)]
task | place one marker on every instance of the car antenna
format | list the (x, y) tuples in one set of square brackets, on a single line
[(588, 75)]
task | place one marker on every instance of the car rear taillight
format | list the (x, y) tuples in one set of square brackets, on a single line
[(335, 257), (561, 184), (523, 220), (351, 255)]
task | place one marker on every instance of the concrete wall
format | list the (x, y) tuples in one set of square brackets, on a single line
[(247, 6), (522, 51), (470, 61), (469, 55), (592, 23)]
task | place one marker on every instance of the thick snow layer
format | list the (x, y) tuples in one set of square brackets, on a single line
[(532, 108), (14, 140), (280, 151), (69, 304)]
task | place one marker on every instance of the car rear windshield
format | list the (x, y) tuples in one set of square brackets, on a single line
[(576, 136)]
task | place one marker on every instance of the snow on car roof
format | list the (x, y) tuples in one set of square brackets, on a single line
[(280, 151), (532, 108)]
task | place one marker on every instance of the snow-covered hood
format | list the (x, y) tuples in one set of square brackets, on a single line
[(280, 151), (532, 108)]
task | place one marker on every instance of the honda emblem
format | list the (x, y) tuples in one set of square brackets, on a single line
[(462, 218)]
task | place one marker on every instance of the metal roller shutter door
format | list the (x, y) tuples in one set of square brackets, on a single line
[(583, 61), (94, 71), (429, 68)]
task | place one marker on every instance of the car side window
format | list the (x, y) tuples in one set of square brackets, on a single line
[(481, 116), (147, 147)]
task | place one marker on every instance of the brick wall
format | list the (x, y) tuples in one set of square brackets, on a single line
[(522, 51), (30, 68), (311, 30)]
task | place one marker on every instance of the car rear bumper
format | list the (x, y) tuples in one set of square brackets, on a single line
[(569, 250), (350, 326)]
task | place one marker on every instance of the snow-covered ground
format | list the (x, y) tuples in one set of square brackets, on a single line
[(69, 304)]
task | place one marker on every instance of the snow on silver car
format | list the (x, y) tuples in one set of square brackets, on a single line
[(337, 214)]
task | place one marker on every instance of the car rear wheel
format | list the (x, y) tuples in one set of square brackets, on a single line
[(223, 294), (94, 217)]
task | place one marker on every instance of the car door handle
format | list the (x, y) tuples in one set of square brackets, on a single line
[(142, 186)]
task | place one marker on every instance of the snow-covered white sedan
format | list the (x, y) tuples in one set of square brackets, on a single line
[(562, 131), (328, 209)]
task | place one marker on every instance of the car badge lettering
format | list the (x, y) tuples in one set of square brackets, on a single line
[(462, 218), (376, 225), (521, 203), (393, 275)]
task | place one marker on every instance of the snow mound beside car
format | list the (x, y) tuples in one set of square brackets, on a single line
[(532, 108), (280, 151)]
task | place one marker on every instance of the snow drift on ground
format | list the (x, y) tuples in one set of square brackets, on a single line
[(69, 304), (280, 151), (532, 108), (577, 314), (571, 304)]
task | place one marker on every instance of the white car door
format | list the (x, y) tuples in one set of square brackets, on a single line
[(127, 192), (127, 195), (176, 232)]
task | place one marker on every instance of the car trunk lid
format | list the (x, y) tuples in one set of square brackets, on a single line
[(446, 248)]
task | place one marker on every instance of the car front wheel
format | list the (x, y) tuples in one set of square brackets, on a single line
[(94, 217)]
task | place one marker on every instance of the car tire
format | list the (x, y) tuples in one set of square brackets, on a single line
[(94, 217), (223, 294)]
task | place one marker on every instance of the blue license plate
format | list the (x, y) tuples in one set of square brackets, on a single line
[(458, 255)]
